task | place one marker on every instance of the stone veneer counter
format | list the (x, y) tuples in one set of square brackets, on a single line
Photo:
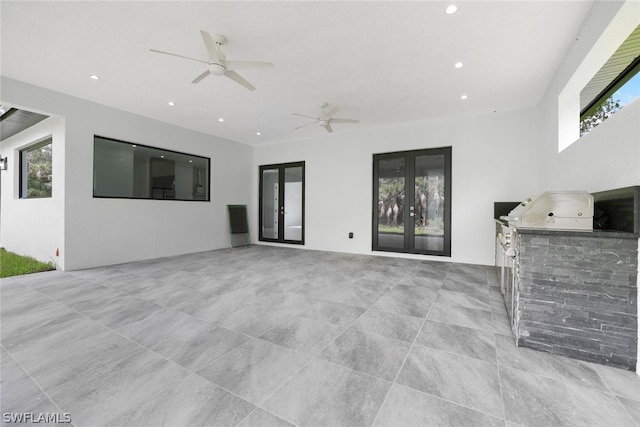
[(598, 234), (576, 294)]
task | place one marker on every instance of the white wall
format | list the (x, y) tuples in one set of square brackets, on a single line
[(493, 159), (608, 157), (33, 227), (110, 231)]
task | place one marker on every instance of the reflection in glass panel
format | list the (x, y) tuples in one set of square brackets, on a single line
[(134, 171), (293, 203), (391, 173), (36, 170), (270, 195), (429, 202)]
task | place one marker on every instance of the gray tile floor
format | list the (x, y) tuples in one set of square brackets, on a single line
[(266, 336)]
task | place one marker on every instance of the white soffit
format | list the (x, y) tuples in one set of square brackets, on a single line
[(623, 56)]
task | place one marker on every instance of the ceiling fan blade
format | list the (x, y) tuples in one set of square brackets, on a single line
[(179, 56), (201, 76), (211, 46), (308, 124), (336, 120), (332, 112), (239, 79), (308, 117), (328, 128), (246, 65)]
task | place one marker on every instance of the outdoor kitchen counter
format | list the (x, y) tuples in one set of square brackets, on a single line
[(575, 293), (600, 234), (606, 234)]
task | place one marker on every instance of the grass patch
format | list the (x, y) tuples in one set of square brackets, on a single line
[(16, 265)]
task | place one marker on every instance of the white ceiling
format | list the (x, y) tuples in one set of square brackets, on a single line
[(383, 63)]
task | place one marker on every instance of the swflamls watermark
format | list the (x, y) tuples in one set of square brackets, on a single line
[(31, 417)]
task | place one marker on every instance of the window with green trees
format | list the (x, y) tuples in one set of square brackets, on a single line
[(36, 170), (608, 104), (615, 85)]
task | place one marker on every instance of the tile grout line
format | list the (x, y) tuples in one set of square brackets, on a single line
[(495, 343), (346, 328), (145, 348), (315, 357), (172, 309), (420, 391), (405, 358), (624, 407), (617, 397), (401, 366), (504, 410), (558, 378), (311, 358), (35, 383)]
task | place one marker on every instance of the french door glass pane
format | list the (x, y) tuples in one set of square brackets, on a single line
[(391, 183), (293, 203), (270, 202), (429, 202)]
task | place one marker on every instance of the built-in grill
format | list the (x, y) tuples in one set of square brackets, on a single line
[(560, 210), (564, 210)]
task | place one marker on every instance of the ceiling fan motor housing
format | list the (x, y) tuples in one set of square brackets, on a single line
[(217, 69)]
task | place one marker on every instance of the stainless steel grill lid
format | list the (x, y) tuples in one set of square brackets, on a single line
[(567, 210)]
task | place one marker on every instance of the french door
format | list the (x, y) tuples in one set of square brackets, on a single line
[(412, 202), (281, 200)]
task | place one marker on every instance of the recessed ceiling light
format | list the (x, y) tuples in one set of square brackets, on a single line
[(94, 77), (258, 133), (190, 161), (464, 97), (162, 157), (221, 119), (451, 9), (134, 146), (172, 104), (458, 65)]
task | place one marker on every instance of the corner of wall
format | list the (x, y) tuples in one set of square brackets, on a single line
[(34, 227), (592, 162), (606, 28)]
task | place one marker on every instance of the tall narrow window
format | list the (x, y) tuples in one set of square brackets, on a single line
[(412, 202), (36, 176)]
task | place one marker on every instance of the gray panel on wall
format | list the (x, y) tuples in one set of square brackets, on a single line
[(238, 225)]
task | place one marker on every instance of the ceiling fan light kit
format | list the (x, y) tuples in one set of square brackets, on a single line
[(217, 64), (217, 69)]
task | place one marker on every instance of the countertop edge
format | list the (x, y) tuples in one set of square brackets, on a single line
[(606, 234)]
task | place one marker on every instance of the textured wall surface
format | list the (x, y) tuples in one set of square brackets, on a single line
[(578, 297)]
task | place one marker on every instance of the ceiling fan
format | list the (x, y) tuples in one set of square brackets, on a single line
[(325, 118), (218, 64)]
